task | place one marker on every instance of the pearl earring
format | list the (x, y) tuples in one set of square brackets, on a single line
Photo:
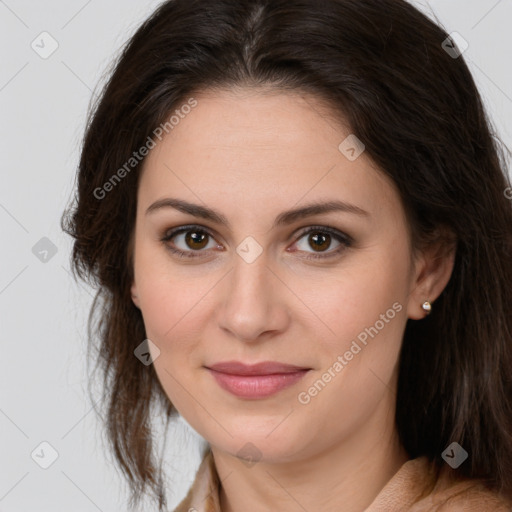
[(427, 307)]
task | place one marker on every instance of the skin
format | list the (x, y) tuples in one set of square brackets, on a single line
[(251, 154)]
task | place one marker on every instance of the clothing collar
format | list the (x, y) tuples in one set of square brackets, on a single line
[(413, 488)]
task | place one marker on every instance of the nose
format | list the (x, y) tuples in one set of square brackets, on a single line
[(254, 303)]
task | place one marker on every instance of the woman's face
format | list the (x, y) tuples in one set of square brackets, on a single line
[(253, 286)]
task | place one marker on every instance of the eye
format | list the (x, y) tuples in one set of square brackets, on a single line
[(320, 239), (196, 240), (193, 239)]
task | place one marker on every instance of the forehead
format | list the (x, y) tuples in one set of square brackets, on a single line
[(246, 121), (251, 147)]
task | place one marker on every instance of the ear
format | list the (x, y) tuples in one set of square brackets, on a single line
[(433, 268), (135, 297)]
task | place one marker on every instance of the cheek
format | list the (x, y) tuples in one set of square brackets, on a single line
[(366, 311), (170, 305), (371, 290), (171, 312), (166, 295)]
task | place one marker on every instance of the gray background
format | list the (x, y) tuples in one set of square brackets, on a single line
[(43, 105)]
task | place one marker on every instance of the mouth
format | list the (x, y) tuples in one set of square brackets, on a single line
[(256, 381)]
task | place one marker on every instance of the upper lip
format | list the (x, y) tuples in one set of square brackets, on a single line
[(263, 368)]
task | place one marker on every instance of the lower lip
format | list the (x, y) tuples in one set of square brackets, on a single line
[(256, 386)]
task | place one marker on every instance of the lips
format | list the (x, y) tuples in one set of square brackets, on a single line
[(264, 368), (258, 380)]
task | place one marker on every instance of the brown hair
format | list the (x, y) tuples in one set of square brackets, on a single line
[(381, 65)]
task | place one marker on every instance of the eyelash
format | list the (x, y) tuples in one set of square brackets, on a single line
[(345, 240)]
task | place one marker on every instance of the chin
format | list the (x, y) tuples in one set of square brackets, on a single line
[(256, 444)]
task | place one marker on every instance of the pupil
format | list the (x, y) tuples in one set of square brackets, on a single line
[(195, 238), (320, 239)]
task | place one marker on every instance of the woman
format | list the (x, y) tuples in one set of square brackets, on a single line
[(298, 220)]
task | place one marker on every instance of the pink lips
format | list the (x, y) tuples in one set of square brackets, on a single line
[(255, 381)]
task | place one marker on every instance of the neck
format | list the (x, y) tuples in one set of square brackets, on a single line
[(346, 476)]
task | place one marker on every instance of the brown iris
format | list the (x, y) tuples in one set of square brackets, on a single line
[(321, 241), (196, 239)]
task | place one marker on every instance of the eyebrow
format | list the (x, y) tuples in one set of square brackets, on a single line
[(284, 218)]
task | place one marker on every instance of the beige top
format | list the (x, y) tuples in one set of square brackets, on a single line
[(411, 489)]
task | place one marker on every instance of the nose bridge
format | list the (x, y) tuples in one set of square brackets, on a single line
[(251, 304), (249, 279)]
